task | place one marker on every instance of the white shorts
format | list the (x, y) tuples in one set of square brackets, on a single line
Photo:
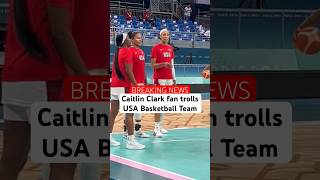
[(115, 93), (17, 98), (165, 82)]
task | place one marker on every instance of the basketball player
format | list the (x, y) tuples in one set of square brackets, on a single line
[(162, 61), (122, 79), (138, 67), (39, 46), (311, 21), (93, 51)]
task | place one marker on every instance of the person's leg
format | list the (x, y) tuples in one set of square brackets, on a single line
[(137, 126), (45, 171), (89, 171), (168, 82), (158, 118), (131, 143), (114, 110), (157, 125), (62, 171), (16, 145)]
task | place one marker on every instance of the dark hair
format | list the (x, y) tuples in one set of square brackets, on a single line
[(24, 32), (132, 34), (119, 44)]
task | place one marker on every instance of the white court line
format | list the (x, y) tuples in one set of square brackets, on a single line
[(181, 140)]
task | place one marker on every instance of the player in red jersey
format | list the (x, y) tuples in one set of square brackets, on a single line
[(39, 46), (162, 61), (138, 68), (122, 79), (92, 49)]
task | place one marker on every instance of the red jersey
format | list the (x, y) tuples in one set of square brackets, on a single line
[(89, 31), (162, 53), (128, 15), (124, 57), (19, 65), (146, 15), (138, 66)]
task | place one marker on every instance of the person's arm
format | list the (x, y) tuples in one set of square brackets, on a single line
[(207, 67), (173, 72), (60, 27), (154, 63), (158, 65), (312, 20), (128, 67), (130, 74), (205, 70)]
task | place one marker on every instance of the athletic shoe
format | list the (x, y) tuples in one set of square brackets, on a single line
[(164, 131), (125, 135), (157, 133), (114, 142), (141, 134), (133, 145)]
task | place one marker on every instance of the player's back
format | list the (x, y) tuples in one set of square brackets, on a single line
[(19, 62), (124, 57)]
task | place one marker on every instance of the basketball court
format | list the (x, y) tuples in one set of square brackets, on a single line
[(184, 153), (181, 154), (303, 166)]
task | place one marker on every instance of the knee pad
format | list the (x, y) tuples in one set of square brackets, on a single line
[(137, 127)]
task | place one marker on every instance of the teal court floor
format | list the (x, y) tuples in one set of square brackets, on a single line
[(181, 154)]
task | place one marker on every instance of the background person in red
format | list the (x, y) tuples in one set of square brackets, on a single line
[(128, 13), (39, 46), (162, 61), (122, 79), (91, 39), (138, 68), (146, 15)]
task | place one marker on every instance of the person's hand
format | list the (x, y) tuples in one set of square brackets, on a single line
[(166, 64), (296, 32)]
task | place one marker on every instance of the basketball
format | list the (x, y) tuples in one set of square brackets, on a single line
[(206, 74), (307, 40)]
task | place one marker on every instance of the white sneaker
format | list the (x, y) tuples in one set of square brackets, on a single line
[(157, 133), (133, 145), (114, 143), (141, 134), (163, 131), (125, 135)]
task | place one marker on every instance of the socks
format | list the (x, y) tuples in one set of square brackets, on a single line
[(157, 125), (131, 138)]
